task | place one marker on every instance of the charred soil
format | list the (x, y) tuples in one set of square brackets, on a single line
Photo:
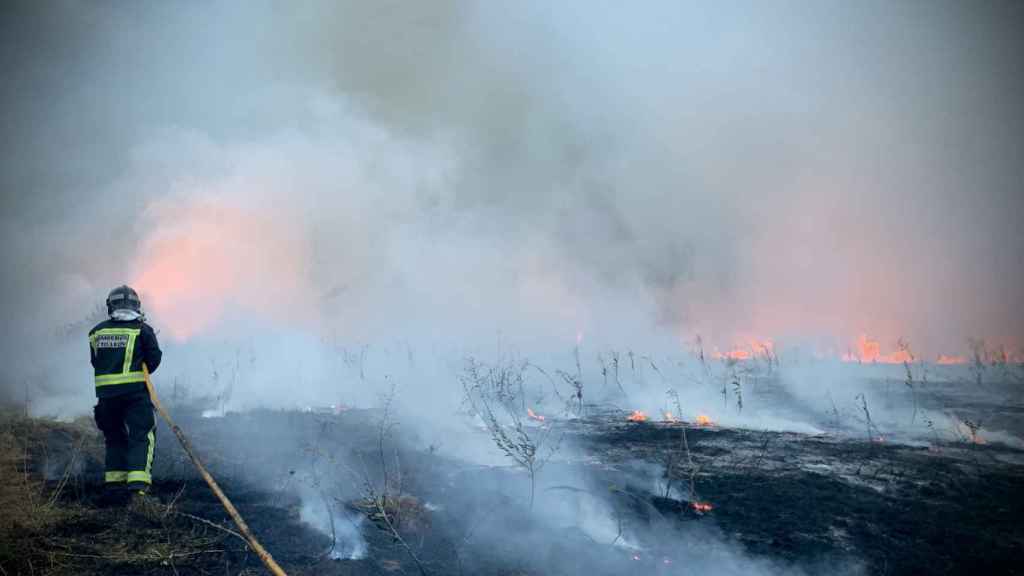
[(789, 502)]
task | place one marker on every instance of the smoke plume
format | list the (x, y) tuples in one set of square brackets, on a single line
[(450, 171)]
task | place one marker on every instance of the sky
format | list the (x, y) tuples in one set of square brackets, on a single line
[(551, 172)]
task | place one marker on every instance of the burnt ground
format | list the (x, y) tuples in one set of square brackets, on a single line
[(781, 502), (942, 509)]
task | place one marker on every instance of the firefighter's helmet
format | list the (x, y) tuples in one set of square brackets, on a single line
[(123, 298)]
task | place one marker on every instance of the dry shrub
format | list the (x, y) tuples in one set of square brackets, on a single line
[(25, 509), (33, 450), (406, 513), (21, 492)]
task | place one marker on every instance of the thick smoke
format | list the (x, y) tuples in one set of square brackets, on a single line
[(318, 202), (446, 172)]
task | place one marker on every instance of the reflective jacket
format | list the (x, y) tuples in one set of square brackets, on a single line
[(117, 351)]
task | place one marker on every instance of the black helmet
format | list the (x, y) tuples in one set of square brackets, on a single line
[(123, 298)]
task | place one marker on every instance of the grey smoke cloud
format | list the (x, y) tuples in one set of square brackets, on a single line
[(445, 170)]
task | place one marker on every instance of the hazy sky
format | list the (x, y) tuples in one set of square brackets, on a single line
[(442, 170)]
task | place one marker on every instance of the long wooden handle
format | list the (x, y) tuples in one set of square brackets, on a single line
[(265, 556)]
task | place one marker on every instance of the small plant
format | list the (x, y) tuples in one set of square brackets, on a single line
[(576, 357), (673, 458), (551, 380), (908, 359), (576, 385), (615, 370), (735, 381), (702, 359), (873, 433), (767, 353), (978, 359), (930, 424), (655, 368), (387, 505), (486, 392), (835, 413), (502, 383)]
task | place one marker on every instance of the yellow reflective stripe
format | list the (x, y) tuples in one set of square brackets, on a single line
[(129, 351), (111, 379), (144, 475), (115, 476), (139, 476), (117, 331), (149, 456), (126, 376)]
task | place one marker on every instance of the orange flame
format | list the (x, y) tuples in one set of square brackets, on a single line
[(669, 417), (702, 507), (704, 420), (735, 354), (533, 416), (868, 351), (637, 416), (864, 350), (752, 348)]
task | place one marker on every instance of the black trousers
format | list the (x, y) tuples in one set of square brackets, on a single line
[(129, 428)]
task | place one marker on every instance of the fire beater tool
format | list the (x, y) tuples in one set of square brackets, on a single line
[(250, 538)]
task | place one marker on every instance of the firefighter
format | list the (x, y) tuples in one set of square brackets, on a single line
[(124, 411)]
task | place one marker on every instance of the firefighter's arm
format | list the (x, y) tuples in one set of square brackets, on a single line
[(151, 353), (92, 350)]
